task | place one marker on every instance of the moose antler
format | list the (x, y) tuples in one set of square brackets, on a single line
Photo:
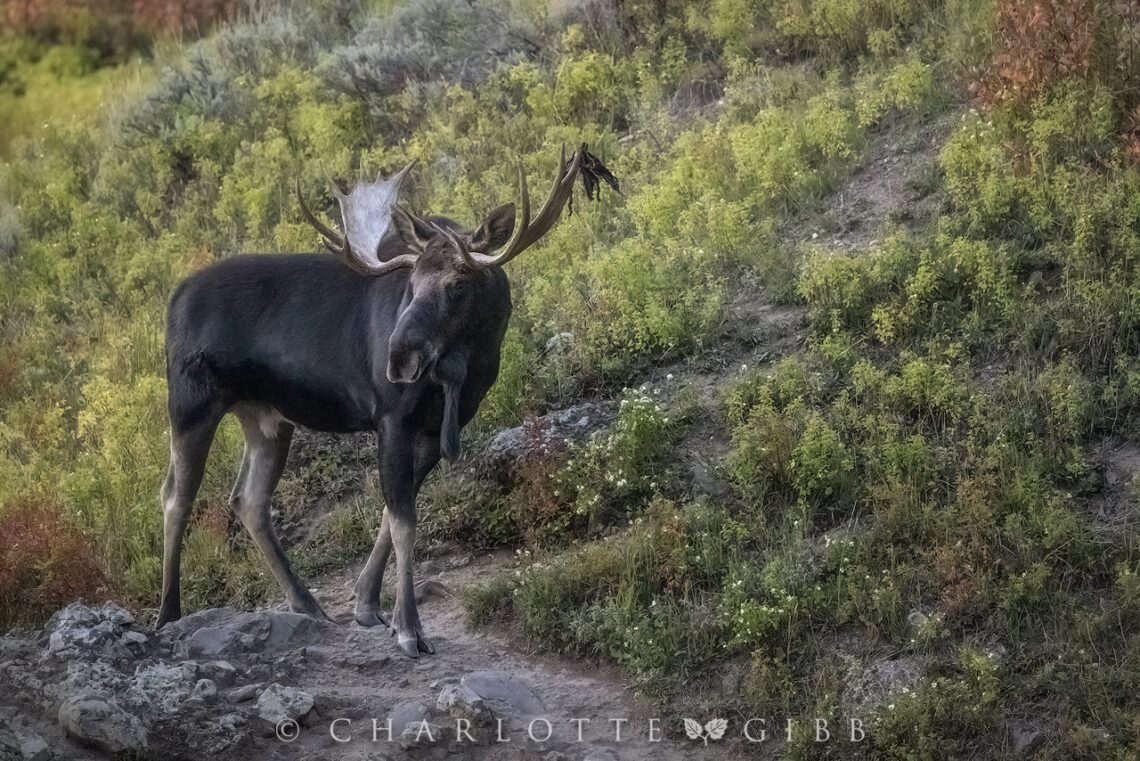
[(526, 232), (366, 213)]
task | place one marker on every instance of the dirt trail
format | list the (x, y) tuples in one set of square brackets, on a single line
[(358, 674)]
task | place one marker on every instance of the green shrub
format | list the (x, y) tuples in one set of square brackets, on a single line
[(821, 466), (623, 466)]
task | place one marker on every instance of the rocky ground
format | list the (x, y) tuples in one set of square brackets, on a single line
[(272, 684)]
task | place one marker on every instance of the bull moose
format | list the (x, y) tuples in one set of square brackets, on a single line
[(404, 341)]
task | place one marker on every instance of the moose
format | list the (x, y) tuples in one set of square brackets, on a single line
[(404, 342)]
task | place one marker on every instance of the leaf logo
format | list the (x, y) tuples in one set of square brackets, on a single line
[(714, 729)]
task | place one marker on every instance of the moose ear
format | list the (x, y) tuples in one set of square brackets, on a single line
[(495, 230), (412, 230)]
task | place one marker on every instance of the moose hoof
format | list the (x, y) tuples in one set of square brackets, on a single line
[(369, 618), (413, 644), (409, 645)]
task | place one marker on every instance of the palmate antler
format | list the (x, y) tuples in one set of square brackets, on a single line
[(366, 211), (526, 232)]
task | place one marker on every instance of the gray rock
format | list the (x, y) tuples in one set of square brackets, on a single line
[(279, 702), (204, 691), (100, 723), (289, 629), (78, 615), (542, 433), (183, 627), (559, 343), (407, 712), (83, 677), (80, 631), (222, 673), (161, 686), (212, 641), (134, 638), (421, 734), (460, 701), (9, 745), (244, 693), (365, 661), (227, 632), (503, 689)]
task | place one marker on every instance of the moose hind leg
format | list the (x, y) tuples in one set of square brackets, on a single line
[(188, 451), (243, 469), (267, 439)]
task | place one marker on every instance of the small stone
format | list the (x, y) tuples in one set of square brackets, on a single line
[(243, 693), (407, 712), (79, 631), (100, 723), (460, 701), (212, 641), (221, 673), (420, 734), (288, 628), (134, 638), (204, 691), (259, 672), (278, 703), (559, 342)]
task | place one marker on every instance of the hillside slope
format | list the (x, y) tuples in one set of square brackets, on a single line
[(861, 336)]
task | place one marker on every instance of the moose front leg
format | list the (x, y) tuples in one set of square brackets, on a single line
[(405, 460), (405, 616), (367, 609)]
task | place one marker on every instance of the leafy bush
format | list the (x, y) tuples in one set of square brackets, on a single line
[(44, 563)]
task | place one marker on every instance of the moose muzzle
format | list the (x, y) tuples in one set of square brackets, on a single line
[(410, 351)]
